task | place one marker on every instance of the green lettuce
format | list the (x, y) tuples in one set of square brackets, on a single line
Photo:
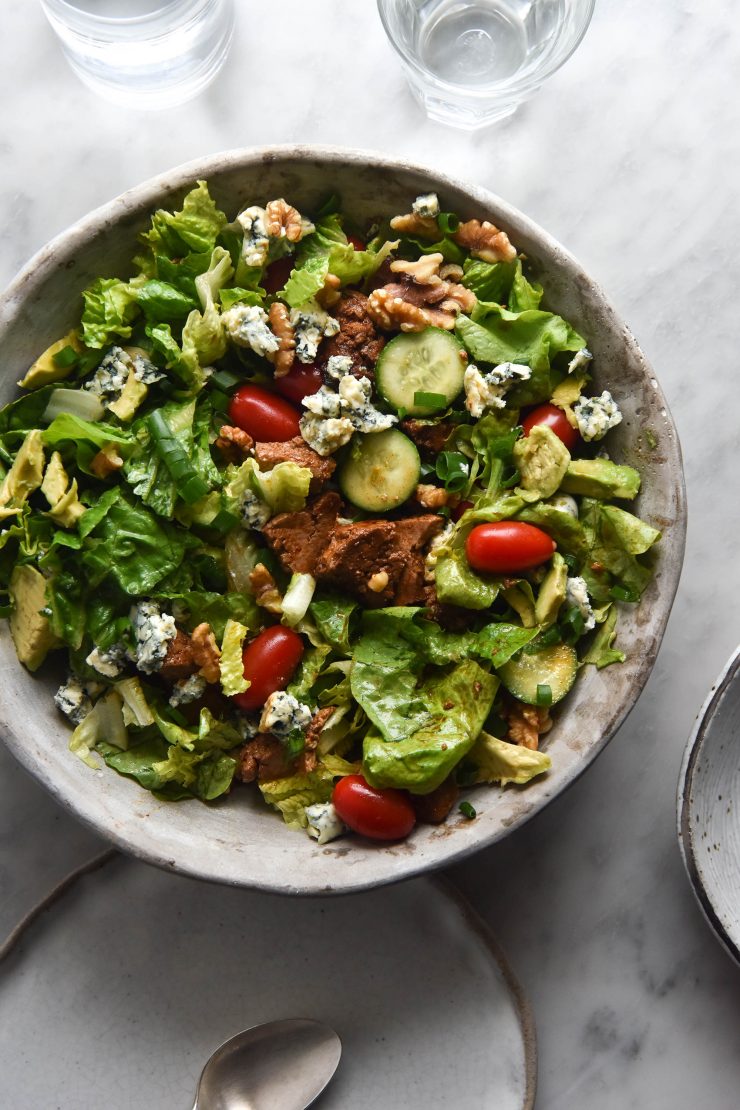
[(617, 540), (335, 617), (194, 228), (292, 794), (161, 301), (501, 762), (284, 489), (131, 546), (203, 337), (602, 652), (499, 642), (110, 307), (230, 663)]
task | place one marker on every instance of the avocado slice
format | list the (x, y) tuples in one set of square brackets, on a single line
[(45, 370), (24, 476), (29, 627), (552, 592), (132, 394), (542, 460), (601, 478), (65, 506), (521, 600)]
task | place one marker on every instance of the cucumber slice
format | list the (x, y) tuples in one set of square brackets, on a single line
[(555, 666), (430, 362), (380, 471)]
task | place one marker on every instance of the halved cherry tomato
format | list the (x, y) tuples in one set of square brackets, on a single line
[(301, 380), (263, 415), (379, 814), (270, 661), (356, 243), (555, 419), (507, 546), (277, 273)]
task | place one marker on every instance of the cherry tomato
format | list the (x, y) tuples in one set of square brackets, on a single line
[(550, 416), (507, 546), (270, 661), (277, 273), (379, 814), (356, 243), (463, 507), (263, 415), (301, 379)]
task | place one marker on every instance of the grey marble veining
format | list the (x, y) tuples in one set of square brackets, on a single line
[(631, 157)]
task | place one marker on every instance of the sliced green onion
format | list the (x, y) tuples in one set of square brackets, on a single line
[(294, 743), (65, 358), (224, 521), (76, 402), (225, 379), (454, 469), (622, 593), (552, 636), (544, 694), (220, 401), (467, 810), (429, 400), (189, 483), (448, 222)]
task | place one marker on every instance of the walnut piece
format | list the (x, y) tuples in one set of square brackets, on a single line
[(431, 497), (425, 227), (485, 241), (330, 294), (206, 652), (265, 590), (107, 461), (390, 311), (526, 724), (425, 271), (306, 762), (234, 443), (283, 221), (421, 297), (282, 329)]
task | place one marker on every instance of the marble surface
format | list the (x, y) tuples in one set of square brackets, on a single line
[(631, 157)]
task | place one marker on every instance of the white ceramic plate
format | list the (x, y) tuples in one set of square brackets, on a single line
[(709, 807), (119, 995)]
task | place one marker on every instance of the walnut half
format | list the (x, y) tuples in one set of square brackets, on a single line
[(283, 221), (282, 329), (421, 297), (526, 724), (485, 241)]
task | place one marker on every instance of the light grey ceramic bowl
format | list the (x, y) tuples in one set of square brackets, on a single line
[(709, 807), (240, 841)]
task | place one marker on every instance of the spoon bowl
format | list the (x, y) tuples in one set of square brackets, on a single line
[(281, 1065)]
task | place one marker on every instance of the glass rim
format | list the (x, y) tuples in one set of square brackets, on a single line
[(69, 8), (510, 85)]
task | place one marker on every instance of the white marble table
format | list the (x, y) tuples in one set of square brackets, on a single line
[(631, 157)]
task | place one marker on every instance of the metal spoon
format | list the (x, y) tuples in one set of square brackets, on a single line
[(282, 1065)]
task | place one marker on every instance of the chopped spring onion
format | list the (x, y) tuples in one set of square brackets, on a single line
[(448, 223), (544, 694), (226, 379), (65, 358), (297, 598), (429, 400), (76, 402), (454, 469), (622, 593), (190, 485), (467, 810)]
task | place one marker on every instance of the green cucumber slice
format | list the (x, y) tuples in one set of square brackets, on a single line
[(380, 471), (430, 362), (555, 666)]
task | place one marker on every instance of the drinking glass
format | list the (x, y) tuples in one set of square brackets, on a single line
[(472, 62), (144, 53)]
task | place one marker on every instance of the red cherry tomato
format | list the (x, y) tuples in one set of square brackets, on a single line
[(263, 415), (550, 416), (379, 814), (356, 243), (463, 507), (270, 661), (277, 273), (507, 547), (301, 380)]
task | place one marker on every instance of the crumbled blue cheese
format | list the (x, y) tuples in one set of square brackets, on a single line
[(256, 244), (246, 325), (342, 411), (596, 415), (255, 512), (435, 548), (310, 325), (145, 371), (73, 701), (325, 402), (282, 713), (426, 206), (338, 366), (153, 631), (580, 360), (576, 594), (111, 375), (247, 726), (325, 436), (324, 823), (487, 391), (187, 690), (109, 663)]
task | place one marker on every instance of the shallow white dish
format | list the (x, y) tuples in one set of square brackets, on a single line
[(709, 807), (121, 992), (240, 841)]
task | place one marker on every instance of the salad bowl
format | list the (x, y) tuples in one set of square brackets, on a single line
[(237, 841)]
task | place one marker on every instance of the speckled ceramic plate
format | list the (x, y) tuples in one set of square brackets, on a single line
[(117, 997), (709, 807), (241, 841)]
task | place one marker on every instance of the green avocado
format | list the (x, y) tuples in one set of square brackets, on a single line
[(45, 369), (422, 761), (30, 629), (24, 476), (132, 395), (601, 478), (542, 460), (65, 506), (552, 592), (521, 600)]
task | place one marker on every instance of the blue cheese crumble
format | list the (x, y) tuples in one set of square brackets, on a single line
[(338, 366), (255, 512), (187, 690), (310, 325), (324, 823), (576, 594), (596, 415), (282, 713), (145, 371), (256, 243), (72, 700), (111, 375), (487, 391), (109, 663), (246, 325), (426, 206), (334, 414), (153, 631), (580, 360), (325, 435)]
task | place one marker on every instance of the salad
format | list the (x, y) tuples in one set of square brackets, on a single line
[(320, 508)]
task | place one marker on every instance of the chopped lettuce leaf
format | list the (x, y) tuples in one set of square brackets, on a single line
[(230, 663), (194, 228), (602, 653), (499, 642), (291, 795), (110, 307), (297, 598)]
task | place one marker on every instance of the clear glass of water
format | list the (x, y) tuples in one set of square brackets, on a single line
[(144, 53), (472, 62)]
